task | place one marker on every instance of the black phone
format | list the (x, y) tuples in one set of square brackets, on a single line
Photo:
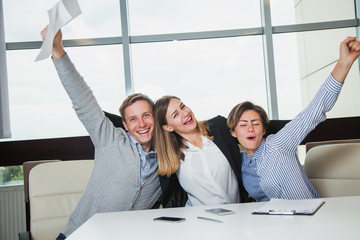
[(170, 219)]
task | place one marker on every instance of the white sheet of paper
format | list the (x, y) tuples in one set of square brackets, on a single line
[(59, 15), (301, 206)]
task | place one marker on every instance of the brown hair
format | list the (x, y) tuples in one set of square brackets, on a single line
[(132, 99), (169, 145), (238, 110)]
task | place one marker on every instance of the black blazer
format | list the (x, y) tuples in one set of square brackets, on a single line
[(229, 147), (175, 196)]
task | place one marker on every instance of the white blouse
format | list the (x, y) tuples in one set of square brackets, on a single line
[(207, 177)]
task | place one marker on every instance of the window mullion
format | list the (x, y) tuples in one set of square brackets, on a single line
[(357, 14), (4, 92), (269, 60), (129, 84)]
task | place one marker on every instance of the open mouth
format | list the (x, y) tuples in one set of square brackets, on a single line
[(188, 121), (250, 138), (143, 131)]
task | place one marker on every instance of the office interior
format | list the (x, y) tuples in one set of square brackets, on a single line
[(212, 54)]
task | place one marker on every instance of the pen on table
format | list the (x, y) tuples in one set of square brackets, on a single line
[(210, 219)]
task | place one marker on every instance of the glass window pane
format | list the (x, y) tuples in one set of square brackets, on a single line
[(163, 16), (39, 106), (287, 75), (210, 76), (25, 19), (11, 175), (285, 12)]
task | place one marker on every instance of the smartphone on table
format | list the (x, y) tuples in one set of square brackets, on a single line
[(169, 219), (220, 211)]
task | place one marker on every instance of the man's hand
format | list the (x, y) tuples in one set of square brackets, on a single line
[(58, 49)]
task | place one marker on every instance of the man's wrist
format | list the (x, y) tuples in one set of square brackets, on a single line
[(58, 54)]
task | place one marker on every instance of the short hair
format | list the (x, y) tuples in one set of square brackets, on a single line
[(132, 99), (238, 110)]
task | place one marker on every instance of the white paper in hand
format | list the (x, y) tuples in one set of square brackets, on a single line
[(62, 13)]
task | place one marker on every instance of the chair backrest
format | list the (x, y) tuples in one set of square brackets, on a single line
[(310, 145), (334, 169), (54, 190)]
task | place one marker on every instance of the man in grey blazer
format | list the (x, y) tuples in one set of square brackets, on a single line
[(125, 171)]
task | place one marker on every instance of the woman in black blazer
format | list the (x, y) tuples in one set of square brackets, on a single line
[(203, 156)]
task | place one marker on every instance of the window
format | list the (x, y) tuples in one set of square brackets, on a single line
[(40, 107), (219, 73), (162, 16), (34, 17), (11, 175), (208, 53), (287, 75), (226, 62)]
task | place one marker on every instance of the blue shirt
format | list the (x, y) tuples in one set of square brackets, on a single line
[(274, 170), (250, 176), (148, 162)]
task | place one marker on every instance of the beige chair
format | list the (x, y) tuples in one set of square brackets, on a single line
[(54, 190), (334, 168), (310, 145)]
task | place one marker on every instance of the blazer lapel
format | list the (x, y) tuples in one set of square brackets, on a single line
[(220, 141)]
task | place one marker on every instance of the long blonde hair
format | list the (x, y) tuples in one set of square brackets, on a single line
[(169, 145)]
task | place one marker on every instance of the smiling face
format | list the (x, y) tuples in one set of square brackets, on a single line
[(139, 122), (179, 118), (249, 131)]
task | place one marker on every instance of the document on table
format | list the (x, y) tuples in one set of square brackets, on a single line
[(290, 207), (62, 13)]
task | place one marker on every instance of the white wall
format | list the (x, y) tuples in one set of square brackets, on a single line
[(319, 51)]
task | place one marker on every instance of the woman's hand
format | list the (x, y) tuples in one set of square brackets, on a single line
[(349, 52), (349, 49)]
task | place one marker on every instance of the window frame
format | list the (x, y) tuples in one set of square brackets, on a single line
[(267, 31)]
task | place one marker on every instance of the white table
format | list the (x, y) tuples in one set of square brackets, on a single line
[(338, 218)]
